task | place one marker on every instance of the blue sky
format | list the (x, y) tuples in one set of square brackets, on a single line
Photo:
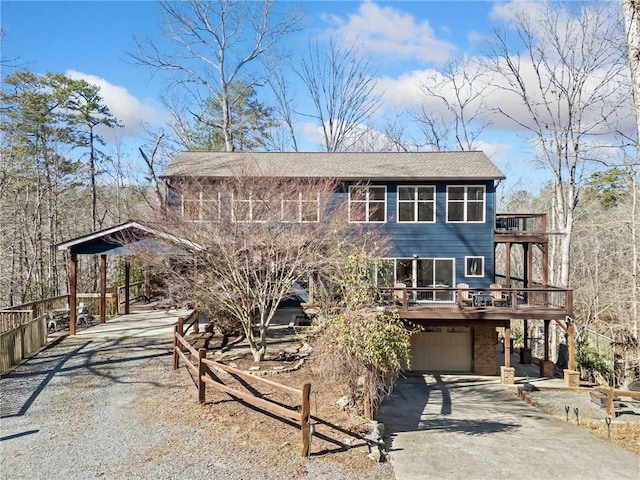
[(88, 39)]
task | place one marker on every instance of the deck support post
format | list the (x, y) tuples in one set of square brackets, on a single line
[(507, 344), (507, 261), (571, 343)]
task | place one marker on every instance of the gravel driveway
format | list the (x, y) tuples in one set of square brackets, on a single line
[(115, 409)]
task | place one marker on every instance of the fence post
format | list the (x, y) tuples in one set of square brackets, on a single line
[(176, 358), (202, 353), (305, 421), (611, 411), (196, 319), (181, 326)]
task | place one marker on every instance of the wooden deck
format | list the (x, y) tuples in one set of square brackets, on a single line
[(546, 303)]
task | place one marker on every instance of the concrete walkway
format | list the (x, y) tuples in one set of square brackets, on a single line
[(152, 323), (472, 427)]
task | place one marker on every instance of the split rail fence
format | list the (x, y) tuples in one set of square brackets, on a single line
[(202, 373)]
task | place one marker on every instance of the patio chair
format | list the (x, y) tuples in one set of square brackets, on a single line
[(83, 315), (499, 299), (464, 295), (399, 293), (52, 324)]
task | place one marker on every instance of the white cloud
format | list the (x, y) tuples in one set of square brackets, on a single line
[(129, 110), (391, 33)]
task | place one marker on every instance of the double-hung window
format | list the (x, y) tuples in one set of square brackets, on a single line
[(368, 204), (416, 204), (465, 203)]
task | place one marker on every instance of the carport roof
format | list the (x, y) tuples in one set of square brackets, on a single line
[(129, 238)]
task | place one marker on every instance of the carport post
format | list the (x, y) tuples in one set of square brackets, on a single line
[(73, 285), (127, 282), (103, 288)]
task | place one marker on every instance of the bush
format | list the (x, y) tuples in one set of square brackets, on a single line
[(591, 363)]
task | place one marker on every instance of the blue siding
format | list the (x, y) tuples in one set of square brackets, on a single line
[(442, 239)]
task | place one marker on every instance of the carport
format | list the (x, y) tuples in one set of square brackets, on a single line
[(127, 240)]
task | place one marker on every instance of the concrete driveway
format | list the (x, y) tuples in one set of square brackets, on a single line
[(471, 427)]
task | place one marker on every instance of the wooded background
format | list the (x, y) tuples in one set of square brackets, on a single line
[(571, 70)]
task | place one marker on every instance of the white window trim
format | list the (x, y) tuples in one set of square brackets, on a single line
[(201, 202), (468, 274), (366, 202), (300, 201), (465, 203), (251, 201), (415, 203)]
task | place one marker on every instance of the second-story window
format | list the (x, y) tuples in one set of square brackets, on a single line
[(200, 207), (250, 209), (302, 208), (465, 203), (416, 204), (368, 204)]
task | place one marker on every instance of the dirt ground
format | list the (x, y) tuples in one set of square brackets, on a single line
[(339, 431)]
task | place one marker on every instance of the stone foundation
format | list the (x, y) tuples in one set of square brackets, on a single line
[(571, 378), (507, 375)]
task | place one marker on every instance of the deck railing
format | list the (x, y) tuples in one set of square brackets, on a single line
[(520, 223), (513, 299)]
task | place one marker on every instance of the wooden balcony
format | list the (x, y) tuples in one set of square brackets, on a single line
[(521, 227), (473, 304)]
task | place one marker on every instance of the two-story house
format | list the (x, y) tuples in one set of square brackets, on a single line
[(438, 210)]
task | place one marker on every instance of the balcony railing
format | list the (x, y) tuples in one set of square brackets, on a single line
[(521, 223), (507, 300)]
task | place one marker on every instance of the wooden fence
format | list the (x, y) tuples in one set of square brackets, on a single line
[(136, 292), (200, 370), (609, 398), (22, 341), (12, 317)]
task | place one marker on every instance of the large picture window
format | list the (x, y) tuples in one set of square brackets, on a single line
[(416, 204), (423, 275), (465, 203), (368, 204)]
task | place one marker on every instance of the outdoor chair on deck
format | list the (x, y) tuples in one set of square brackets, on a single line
[(399, 293), (55, 322), (83, 315), (464, 297), (499, 299)]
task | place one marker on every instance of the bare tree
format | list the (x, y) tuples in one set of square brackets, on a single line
[(249, 238), (454, 113), (631, 13), (284, 109), (563, 88), (342, 91), (217, 44)]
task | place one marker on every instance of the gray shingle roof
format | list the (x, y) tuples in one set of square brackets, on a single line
[(342, 166)]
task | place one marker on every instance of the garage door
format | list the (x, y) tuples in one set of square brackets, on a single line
[(445, 349)]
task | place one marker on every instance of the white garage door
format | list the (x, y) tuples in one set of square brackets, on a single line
[(445, 349)]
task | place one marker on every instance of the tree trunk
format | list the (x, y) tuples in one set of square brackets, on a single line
[(631, 12)]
